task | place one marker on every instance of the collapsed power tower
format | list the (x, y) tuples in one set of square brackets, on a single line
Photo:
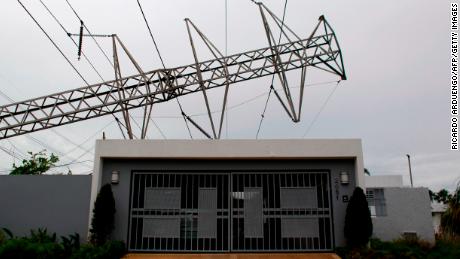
[(320, 50)]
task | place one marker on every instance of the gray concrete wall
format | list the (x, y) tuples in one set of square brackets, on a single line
[(59, 203), (126, 166), (408, 209)]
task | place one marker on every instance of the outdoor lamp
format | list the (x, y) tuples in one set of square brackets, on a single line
[(115, 177), (344, 178)]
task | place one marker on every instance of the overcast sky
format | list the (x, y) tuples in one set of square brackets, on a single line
[(396, 55)]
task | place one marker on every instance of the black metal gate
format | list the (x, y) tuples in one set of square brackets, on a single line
[(238, 211)]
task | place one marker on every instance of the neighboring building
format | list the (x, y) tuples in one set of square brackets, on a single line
[(437, 209), (229, 195), (396, 210)]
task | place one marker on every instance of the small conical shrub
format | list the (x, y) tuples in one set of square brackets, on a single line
[(102, 223), (358, 222)]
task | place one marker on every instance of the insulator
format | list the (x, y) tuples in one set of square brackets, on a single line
[(80, 42)]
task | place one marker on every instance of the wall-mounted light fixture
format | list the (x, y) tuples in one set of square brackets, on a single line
[(115, 177), (344, 178)]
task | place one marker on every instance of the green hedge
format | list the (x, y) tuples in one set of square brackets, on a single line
[(403, 248), (41, 245)]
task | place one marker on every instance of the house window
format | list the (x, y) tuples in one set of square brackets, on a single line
[(376, 200)]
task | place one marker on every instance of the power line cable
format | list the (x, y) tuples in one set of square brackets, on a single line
[(151, 34), (72, 163), (320, 110), (75, 43), (90, 137), (40, 142), (20, 158), (226, 54), (84, 153), (247, 101), (70, 63), (184, 117), (158, 128), (164, 66), (15, 148), (52, 167), (10, 153), (262, 116), (92, 36), (52, 41)]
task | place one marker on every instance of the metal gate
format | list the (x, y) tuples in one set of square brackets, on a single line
[(238, 211)]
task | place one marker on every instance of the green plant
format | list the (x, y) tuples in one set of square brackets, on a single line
[(102, 223), (37, 164), (109, 250), (450, 219), (41, 236), (402, 248), (358, 223), (70, 244), (5, 234), (442, 196), (43, 245), (446, 248), (25, 248)]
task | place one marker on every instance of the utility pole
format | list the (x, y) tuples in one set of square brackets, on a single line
[(410, 171)]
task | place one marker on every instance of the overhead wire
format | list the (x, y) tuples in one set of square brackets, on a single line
[(240, 103), (226, 54), (12, 154), (75, 43), (92, 36), (52, 41), (151, 34), (320, 110), (72, 163), (41, 143), (14, 147), (84, 153), (158, 128), (52, 167), (97, 43), (68, 61), (262, 116), (164, 66), (90, 137), (62, 154), (11, 100), (253, 99), (19, 157)]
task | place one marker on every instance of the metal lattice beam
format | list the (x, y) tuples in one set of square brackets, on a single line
[(320, 50)]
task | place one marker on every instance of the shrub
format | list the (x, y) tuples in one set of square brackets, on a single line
[(450, 219), (445, 249), (42, 236), (42, 245), (5, 234), (110, 250), (18, 248), (102, 223), (70, 244), (403, 248), (358, 223)]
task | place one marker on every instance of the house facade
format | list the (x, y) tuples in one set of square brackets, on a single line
[(229, 195)]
